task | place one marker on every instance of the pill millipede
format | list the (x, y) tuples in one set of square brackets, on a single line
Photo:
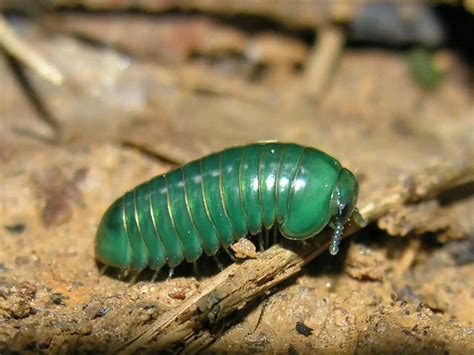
[(209, 203)]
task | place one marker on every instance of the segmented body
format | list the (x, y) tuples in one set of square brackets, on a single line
[(211, 202)]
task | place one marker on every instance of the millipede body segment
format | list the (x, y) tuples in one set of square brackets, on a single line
[(211, 202)]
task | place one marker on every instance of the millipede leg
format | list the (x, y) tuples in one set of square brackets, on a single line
[(196, 271), (134, 277), (123, 274), (275, 235), (218, 262), (260, 241), (170, 274), (155, 275), (103, 269), (230, 254)]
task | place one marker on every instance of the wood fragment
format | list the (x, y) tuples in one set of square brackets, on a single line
[(18, 49), (302, 13), (422, 218), (308, 13), (323, 60), (244, 249), (239, 285)]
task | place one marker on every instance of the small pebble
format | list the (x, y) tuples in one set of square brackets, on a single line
[(17, 228), (303, 329)]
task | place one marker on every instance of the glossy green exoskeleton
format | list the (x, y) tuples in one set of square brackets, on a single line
[(210, 203)]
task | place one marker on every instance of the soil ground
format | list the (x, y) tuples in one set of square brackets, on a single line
[(404, 285)]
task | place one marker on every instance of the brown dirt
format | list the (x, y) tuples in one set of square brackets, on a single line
[(406, 285)]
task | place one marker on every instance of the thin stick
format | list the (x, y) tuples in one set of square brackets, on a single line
[(238, 285), (323, 59), (22, 52), (407, 259), (267, 240)]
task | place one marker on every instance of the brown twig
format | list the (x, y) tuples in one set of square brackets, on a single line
[(406, 260), (322, 62), (22, 52), (292, 13), (238, 285)]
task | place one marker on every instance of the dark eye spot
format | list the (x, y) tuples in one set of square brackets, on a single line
[(343, 210)]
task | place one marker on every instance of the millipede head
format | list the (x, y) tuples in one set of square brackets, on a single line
[(343, 205)]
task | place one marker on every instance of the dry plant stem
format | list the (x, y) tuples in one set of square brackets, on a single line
[(311, 13), (323, 59), (407, 259), (22, 52), (421, 185), (308, 13), (238, 285)]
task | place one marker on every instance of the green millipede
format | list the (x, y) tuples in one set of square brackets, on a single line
[(210, 203)]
